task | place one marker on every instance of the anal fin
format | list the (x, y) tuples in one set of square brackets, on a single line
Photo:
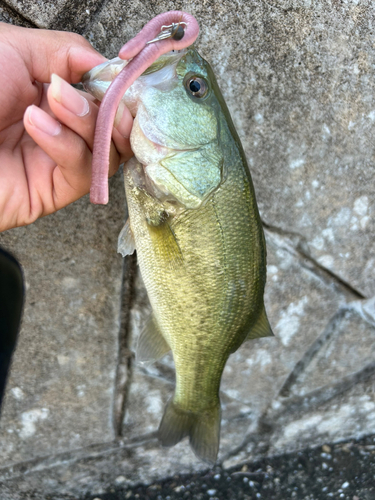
[(126, 243), (262, 328), (151, 344)]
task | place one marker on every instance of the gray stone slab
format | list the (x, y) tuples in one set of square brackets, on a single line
[(10, 16), (346, 416), (60, 392), (39, 13), (349, 347), (63, 15)]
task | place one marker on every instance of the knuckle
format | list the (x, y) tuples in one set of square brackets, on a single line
[(79, 39)]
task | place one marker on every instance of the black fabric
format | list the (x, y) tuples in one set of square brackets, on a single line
[(11, 302)]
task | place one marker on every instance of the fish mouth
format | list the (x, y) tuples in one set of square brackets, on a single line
[(104, 72), (161, 74), (170, 58), (162, 71)]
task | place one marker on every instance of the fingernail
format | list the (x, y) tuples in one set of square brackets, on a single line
[(44, 122), (66, 95), (123, 120)]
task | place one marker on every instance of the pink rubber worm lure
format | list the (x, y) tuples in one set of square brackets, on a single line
[(143, 55)]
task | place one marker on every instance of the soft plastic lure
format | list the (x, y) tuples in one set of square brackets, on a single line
[(161, 35)]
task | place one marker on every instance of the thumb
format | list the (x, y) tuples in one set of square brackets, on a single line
[(45, 52)]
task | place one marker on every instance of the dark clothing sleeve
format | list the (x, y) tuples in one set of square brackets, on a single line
[(11, 302)]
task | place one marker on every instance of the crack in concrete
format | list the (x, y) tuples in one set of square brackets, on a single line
[(296, 244), (89, 452), (327, 392), (365, 308), (310, 353), (158, 376), (21, 19), (262, 433), (125, 355)]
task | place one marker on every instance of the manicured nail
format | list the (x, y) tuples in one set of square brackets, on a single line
[(123, 120), (66, 95), (44, 122)]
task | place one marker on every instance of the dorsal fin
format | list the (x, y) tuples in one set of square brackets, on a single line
[(126, 243), (261, 328), (151, 344)]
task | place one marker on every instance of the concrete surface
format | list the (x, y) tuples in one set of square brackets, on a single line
[(79, 416)]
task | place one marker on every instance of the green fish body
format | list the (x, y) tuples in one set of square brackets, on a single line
[(194, 222)]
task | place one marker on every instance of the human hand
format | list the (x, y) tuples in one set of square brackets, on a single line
[(47, 131)]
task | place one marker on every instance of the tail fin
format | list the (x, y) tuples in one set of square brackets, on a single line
[(202, 428)]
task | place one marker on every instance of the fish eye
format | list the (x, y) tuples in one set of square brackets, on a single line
[(196, 86)]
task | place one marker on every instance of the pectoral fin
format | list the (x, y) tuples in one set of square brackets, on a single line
[(151, 343), (166, 243), (262, 328), (126, 243)]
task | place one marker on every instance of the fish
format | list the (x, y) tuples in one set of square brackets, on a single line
[(196, 228)]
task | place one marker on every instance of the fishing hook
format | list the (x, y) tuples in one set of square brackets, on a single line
[(174, 30)]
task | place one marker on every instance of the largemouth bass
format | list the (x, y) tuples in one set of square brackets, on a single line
[(194, 222)]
